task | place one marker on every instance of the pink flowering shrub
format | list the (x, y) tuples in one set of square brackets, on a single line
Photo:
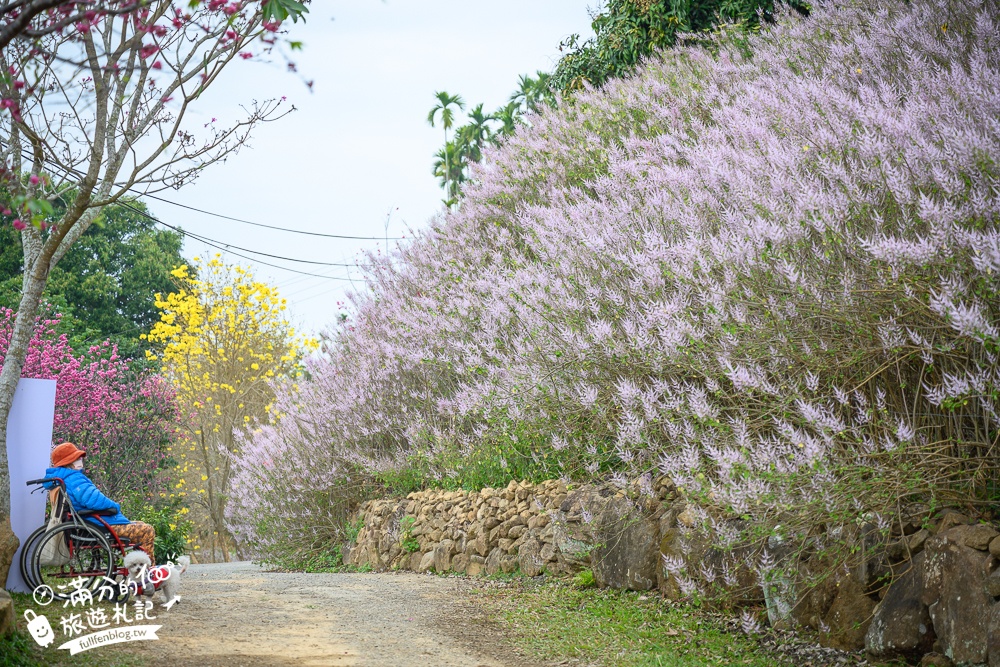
[(771, 277), (124, 418)]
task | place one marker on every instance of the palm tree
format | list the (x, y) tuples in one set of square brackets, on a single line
[(444, 108), (476, 133), (509, 118), (533, 92), (543, 93), (450, 168), (525, 86)]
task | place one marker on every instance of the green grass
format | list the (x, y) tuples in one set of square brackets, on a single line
[(20, 650), (321, 562), (557, 621)]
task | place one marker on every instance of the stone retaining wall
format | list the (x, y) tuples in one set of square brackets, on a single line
[(533, 528), (944, 568)]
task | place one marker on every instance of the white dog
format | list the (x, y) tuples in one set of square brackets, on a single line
[(146, 580)]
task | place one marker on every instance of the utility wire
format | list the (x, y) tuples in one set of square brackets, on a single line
[(252, 259), (280, 229), (229, 245)]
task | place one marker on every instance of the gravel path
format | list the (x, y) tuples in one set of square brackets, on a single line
[(239, 615)]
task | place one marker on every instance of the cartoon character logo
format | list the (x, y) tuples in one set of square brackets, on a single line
[(39, 628)]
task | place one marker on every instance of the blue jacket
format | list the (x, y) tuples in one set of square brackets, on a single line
[(85, 496)]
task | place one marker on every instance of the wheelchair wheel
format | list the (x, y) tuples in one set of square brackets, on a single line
[(71, 552), (27, 552)]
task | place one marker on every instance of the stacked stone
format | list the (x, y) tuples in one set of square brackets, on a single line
[(943, 603), (525, 526)]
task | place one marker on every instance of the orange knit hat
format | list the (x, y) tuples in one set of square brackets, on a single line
[(65, 454)]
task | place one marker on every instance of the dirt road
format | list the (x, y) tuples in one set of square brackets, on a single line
[(239, 615)]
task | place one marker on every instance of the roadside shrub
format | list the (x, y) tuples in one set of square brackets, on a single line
[(771, 277), (584, 579)]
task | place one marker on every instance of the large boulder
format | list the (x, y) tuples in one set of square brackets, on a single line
[(901, 627), (529, 558), (979, 536), (849, 616), (992, 585), (426, 562), (460, 563), (993, 648), (8, 546), (721, 571), (819, 583), (7, 624), (364, 554), (476, 566), (626, 551), (573, 523), (955, 593), (492, 564), (442, 555)]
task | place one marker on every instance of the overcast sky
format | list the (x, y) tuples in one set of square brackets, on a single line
[(359, 146)]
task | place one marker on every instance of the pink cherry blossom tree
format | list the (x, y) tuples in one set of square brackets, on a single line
[(32, 19), (124, 418)]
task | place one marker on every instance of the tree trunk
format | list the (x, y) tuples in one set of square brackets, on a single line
[(24, 324)]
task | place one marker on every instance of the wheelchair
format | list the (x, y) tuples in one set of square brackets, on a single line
[(74, 550)]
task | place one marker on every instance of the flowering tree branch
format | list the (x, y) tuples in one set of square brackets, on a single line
[(33, 19)]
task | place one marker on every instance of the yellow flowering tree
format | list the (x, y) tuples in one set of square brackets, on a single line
[(224, 337)]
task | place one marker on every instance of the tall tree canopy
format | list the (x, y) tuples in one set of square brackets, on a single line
[(626, 31), (105, 286)]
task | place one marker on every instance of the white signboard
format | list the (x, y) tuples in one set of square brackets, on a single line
[(29, 447)]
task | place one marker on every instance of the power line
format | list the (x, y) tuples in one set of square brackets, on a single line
[(280, 229), (252, 259), (226, 248), (285, 284), (229, 245)]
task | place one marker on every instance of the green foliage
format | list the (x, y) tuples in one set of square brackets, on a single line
[(584, 579), (510, 449), (626, 31), (16, 651), (406, 539), (557, 622), (324, 561), (172, 528), (353, 529), (516, 452), (328, 559), (279, 10), (105, 285), (453, 161)]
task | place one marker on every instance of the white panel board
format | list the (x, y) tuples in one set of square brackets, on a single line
[(29, 447)]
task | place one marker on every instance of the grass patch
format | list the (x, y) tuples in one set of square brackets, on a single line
[(322, 562), (20, 650), (557, 621)]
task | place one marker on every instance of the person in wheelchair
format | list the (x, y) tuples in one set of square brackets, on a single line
[(67, 464)]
